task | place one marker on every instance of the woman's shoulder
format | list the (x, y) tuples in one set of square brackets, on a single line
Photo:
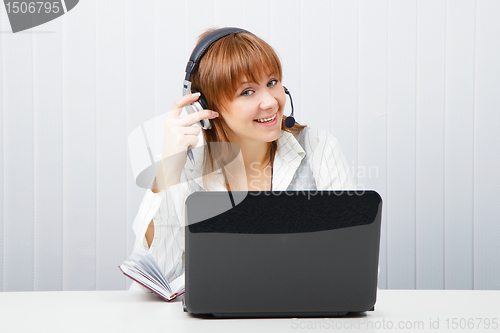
[(319, 133), (311, 137)]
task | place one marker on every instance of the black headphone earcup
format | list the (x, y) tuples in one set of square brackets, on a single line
[(201, 100), (201, 104)]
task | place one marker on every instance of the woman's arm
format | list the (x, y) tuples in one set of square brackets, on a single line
[(160, 184), (158, 227), (150, 233)]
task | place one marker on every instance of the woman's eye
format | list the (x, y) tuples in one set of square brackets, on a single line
[(272, 83), (247, 93)]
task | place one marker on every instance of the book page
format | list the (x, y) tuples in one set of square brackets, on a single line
[(178, 284), (146, 261)]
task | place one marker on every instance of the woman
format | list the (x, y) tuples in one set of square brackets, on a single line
[(240, 78)]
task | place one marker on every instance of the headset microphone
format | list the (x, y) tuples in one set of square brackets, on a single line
[(290, 120)]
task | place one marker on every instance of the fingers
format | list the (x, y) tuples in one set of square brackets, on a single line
[(192, 140), (172, 119), (180, 103), (180, 132), (193, 118), (185, 100), (190, 130), (197, 116)]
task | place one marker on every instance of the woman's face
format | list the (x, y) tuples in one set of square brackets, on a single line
[(264, 101)]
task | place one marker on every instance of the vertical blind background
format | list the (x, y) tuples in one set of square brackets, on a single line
[(410, 88)]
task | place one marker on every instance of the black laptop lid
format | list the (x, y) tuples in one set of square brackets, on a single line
[(294, 253)]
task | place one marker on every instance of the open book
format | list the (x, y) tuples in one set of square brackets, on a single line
[(143, 269)]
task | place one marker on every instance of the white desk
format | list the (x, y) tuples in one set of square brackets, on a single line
[(136, 311)]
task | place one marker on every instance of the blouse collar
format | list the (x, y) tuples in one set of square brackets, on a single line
[(287, 159)]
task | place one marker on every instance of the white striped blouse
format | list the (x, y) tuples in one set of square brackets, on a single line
[(326, 161)]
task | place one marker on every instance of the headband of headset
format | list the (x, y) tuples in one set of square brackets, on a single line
[(203, 46)]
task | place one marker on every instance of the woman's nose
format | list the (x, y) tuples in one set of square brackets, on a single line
[(268, 101)]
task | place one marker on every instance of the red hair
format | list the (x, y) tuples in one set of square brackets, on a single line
[(219, 74)]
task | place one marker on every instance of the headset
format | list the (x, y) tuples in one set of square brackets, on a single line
[(194, 61)]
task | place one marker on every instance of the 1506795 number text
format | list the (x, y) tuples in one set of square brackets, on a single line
[(32, 7)]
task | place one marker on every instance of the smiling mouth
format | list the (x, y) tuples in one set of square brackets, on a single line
[(266, 120)]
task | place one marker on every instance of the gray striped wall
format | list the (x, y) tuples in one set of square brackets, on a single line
[(410, 88)]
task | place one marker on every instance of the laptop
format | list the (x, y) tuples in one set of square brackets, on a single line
[(281, 254)]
